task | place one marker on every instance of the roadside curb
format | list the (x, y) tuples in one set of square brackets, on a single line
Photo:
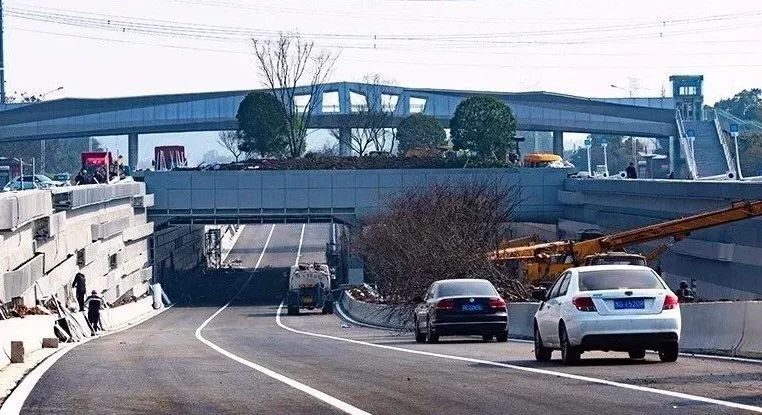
[(15, 401)]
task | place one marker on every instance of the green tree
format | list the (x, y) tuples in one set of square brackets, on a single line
[(746, 104), (485, 125), (750, 148), (618, 151), (419, 130), (262, 126)]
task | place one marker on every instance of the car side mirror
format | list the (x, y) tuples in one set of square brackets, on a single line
[(539, 294), (417, 299)]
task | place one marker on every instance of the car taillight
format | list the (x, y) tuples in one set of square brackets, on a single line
[(584, 303), (670, 302), (446, 304), (496, 303)]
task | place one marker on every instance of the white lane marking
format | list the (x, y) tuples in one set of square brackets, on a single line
[(672, 394), (233, 241), (299, 250), (330, 400), (14, 403)]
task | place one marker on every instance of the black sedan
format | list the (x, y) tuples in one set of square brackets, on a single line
[(461, 307)]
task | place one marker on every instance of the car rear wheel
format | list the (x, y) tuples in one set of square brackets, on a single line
[(487, 337), (419, 337), (431, 337), (541, 353), (502, 337), (638, 354), (669, 353), (569, 354)]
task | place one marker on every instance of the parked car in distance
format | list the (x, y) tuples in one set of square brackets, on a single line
[(459, 307), (625, 308), (64, 178), (38, 181)]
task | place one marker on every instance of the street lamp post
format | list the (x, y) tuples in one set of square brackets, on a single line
[(588, 144), (734, 133), (43, 167)]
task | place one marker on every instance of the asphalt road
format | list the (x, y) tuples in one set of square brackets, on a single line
[(244, 361)]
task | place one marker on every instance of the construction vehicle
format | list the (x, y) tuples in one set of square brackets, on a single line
[(169, 157), (540, 263), (309, 287)]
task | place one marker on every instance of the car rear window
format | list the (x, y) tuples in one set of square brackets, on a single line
[(474, 288), (618, 279)]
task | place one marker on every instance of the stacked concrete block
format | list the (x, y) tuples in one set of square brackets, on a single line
[(47, 236)]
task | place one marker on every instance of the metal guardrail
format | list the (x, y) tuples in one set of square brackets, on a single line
[(744, 124), (690, 160)]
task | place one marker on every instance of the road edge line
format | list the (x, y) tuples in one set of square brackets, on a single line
[(322, 396), (15, 401)]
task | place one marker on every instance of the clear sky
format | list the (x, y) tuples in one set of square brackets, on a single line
[(102, 48)]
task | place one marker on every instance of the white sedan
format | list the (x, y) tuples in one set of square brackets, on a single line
[(623, 308)]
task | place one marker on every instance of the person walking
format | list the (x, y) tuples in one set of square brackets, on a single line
[(80, 286), (94, 306)]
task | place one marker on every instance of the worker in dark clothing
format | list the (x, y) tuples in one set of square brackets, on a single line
[(684, 293), (81, 289), (94, 306), (632, 172), (81, 178)]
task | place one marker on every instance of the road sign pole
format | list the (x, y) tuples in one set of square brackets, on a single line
[(605, 159), (734, 133)]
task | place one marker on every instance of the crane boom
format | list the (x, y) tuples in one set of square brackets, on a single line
[(676, 228)]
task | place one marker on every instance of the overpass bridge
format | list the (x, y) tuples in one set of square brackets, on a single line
[(337, 106), (725, 259)]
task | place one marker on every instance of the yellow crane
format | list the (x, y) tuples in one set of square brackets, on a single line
[(547, 260)]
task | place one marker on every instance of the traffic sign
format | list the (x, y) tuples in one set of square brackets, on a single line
[(733, 128), (604, 143), (588, 142)]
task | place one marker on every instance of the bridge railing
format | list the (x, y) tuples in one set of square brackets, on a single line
[(689, 159), (724, 143)]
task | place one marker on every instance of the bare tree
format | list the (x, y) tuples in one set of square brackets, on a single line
[(439, 232), (370, 124), (285, 64), (231, 141)]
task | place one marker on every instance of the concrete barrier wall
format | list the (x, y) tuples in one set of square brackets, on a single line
[(32, 329), (729, 329)]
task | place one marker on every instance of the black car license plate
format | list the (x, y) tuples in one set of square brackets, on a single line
[(472, 307), (629, 304)]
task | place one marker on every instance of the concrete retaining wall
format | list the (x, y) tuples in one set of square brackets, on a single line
[(177, 248), (92, 229), (730, 329)]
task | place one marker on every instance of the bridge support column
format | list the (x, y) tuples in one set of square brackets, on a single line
[(132, 151), (345, 142), (558, 143)]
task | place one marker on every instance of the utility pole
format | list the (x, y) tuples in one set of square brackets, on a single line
[(2, 60)]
